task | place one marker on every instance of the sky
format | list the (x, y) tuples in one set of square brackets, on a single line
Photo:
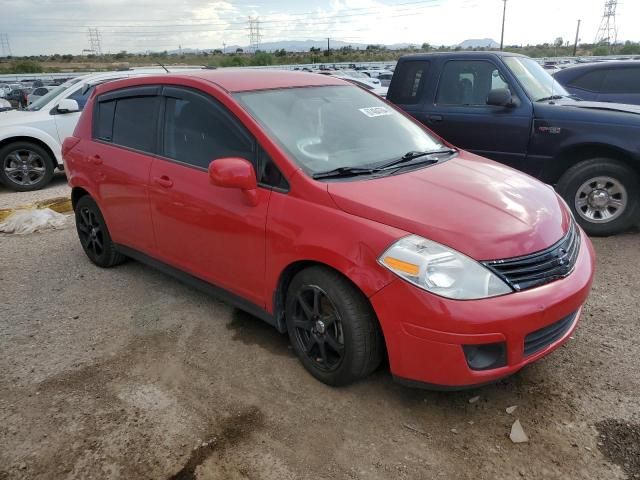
[(60, 26)]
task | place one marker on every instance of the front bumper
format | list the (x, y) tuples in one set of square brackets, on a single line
[(425, 333)]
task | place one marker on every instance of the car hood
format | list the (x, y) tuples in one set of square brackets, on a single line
[(614, 107), (15, 117), (476, 206)]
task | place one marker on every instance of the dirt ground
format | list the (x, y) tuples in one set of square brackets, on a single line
[(126, 373)]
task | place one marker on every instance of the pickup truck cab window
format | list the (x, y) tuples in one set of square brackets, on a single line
[(412, 77), (468, 82)]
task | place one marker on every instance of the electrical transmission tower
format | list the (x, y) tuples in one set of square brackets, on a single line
[(94, 41), (254, 33), (5, 48), (608, 32)]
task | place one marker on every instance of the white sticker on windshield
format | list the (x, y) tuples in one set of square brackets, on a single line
[(375, 111)]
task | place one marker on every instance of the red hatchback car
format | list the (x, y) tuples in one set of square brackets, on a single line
[(330, 214)]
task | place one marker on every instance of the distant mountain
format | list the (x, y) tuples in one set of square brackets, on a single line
[(479, 42)]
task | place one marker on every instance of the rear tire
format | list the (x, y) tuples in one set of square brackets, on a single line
[(332, 327), (603, 194), (25, 166), (94, 235)]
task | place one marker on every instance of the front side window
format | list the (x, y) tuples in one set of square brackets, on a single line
[(622, 80), (329, 127), (590, 81), (468, 82), (197, 131), (536, 81), (411, 77), (133, 123)]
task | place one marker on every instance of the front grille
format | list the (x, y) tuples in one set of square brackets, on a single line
[(541, 267), (536, 341)]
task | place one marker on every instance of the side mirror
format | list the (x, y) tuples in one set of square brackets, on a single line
[(500, 97), (68, 105), (233, 172)]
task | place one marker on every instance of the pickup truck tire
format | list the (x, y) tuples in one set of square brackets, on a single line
[(94, 235), (25, 166), (603, 194), (332, 327)]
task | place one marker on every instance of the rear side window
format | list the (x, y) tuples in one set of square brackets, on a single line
[(197, 131), (622, 80), (134, 122), (103, 121), (590, 81), (409, 80)]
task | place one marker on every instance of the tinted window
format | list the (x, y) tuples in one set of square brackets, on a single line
[(103, 123), (591, 81), (134, 124), (468, 82), (622, 80), (411, 77), (197, 131)]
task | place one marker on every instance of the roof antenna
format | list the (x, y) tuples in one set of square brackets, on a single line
[(165, 68)]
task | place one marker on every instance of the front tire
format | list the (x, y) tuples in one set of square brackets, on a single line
[(332, 327), (603, 194), (25, 166), (94, 235)]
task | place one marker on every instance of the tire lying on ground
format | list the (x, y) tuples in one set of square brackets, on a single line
[(603, 194)]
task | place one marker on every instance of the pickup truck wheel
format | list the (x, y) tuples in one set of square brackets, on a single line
[(603, 194), (332, 327), (25, 166)]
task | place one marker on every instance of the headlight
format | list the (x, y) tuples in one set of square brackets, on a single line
[(441, 270)]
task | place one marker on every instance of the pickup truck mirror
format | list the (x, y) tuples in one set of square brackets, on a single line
[(500, 97)]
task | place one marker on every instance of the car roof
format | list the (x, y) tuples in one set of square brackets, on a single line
[(425, 56), (247, 79)]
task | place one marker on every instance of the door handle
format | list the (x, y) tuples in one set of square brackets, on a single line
[(164, 181), (434, 118), (95, 159)]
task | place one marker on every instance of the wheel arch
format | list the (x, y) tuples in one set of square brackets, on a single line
[(76, 194), (284, 280), (574, 154), (39, 142)]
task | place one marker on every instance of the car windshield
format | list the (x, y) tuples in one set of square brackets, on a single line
[(329, 127), (535, 79), (53, 93)]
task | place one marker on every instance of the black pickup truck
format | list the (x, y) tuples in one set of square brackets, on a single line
[(508, 108)]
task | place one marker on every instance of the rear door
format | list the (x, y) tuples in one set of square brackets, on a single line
[(120, 157), (621, 85), (211, 232), (460, 114)]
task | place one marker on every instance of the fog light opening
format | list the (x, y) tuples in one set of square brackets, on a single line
[(485, 356)]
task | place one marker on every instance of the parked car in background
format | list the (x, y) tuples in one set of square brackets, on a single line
[(4, 105), (30, 140), (617, 82), (385, 79), (508, 108), (37, 93), (458, 269), (18, 97)]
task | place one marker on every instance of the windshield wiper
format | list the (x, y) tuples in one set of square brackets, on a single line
[(412, 155), (550, 97), (344, 172), (407, 157)]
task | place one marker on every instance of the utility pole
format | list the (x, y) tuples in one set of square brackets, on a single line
[(328, 47), (504, 14), (224, 48), (94, 41), (608, 32), (575, 45), (254, 33)]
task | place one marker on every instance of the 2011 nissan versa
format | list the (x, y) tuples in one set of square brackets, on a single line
[(330, 214)]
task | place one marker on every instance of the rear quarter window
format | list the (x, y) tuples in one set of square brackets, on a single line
[(408, 82)]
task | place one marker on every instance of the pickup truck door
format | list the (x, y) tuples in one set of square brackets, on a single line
[(458, 112)]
